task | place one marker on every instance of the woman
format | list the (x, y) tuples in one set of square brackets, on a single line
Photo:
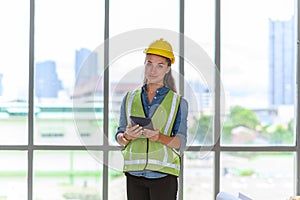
[(152, 156)]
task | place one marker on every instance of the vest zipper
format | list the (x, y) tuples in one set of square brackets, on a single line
[(147, 151)]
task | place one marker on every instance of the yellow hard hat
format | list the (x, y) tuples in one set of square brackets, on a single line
[(162, 48)]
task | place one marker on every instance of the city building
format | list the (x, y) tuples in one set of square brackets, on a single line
[(47, 83), (282, 52)]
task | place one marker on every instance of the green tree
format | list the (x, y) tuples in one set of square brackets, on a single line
[(281, 134), (201, 131), (291, 126), (238, 116)]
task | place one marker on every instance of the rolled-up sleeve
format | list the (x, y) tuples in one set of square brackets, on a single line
[(122, 119), (180, 125)]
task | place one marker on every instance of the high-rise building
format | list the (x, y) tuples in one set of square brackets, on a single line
[(47, 84), (86, 65), (282, 49), (200, 97), (86, 73)]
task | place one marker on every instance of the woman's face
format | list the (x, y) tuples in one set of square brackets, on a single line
[(156, 68)]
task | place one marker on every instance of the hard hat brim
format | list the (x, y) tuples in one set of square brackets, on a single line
[(161, 52)]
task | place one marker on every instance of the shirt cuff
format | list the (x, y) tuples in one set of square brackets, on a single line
[(116, 135), (182, 142)]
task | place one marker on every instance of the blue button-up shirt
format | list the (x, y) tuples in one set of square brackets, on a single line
[(179, 127)]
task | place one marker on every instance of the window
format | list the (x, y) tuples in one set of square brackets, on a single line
[(14, 94), (66, 66), (258, 73)]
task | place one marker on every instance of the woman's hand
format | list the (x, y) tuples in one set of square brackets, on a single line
[(156, 136), (153, 135), (133, 132)]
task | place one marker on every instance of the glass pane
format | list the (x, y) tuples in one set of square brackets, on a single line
[(117, 179), (198, 175), (14, 70), (64, 43), (202, 13), (258, 174), (199, 91), (157, 14), (258, 71), (67, 175), (199, 85), (13, 175)]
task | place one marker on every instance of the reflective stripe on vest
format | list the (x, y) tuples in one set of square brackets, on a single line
[(141, 153), (157, 162)]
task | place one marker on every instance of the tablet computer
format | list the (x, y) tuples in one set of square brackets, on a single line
[(142, 121)]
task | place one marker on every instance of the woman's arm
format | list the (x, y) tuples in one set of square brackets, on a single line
[(119, 136), (126, 132)]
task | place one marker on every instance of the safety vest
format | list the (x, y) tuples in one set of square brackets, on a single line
[(143, 154)]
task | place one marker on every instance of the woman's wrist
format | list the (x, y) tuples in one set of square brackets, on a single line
[(125, 138), (160, 138), (122, 139)]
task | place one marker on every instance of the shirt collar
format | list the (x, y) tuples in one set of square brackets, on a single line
[(162, 90)]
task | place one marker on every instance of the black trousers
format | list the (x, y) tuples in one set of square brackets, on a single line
[(140, 188)]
